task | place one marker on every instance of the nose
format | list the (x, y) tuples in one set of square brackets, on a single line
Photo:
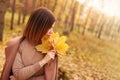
[(50, 31)]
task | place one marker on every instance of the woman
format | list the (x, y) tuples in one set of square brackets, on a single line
[(29, 64)]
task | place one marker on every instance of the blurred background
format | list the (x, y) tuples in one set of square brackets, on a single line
[(92, 28)]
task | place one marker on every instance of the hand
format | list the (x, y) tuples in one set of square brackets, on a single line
[(12, 78), (49, 56)]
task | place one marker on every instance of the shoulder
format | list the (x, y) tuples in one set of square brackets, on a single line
[(14, 40), (12, 46), (26, 45)]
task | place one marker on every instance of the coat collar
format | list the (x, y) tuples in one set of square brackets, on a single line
[(10, 53)]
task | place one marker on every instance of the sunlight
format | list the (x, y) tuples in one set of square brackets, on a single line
[(110, 7)]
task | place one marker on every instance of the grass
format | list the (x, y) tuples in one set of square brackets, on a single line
[(104, 54)]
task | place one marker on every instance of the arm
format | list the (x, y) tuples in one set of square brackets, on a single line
[(22, 72), (33, 78), (38, 78)]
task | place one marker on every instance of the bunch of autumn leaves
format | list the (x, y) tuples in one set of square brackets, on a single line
[(53, 42)]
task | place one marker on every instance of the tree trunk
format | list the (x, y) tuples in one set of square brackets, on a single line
[(40, 3), (73, 17), (33, 4), (84, 26), (20, 13), (66, 22), (62, 9), (72, 20), (118, 29), (12, 17), (25, 11), (2, 13), (54, 6), (46, 3), (100, 31), (19, 17), (3, 6)]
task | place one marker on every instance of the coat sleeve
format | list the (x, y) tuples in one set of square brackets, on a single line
[(51, 70), (22, 72)]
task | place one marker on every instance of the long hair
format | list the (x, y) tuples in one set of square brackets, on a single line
[(40, 21)]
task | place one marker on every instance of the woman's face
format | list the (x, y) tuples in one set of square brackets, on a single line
[(50, 31)]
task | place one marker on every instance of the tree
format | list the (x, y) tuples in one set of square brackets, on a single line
[(33, 4), (109, 24), (45, 3), (66, 21), (4, 4), (93, 18), (101, 25), (87, 18), (54, 6), (61, 11), (80, 12), (12, 17), (118, 29), (20, 8), (73, 17), (25, 11)]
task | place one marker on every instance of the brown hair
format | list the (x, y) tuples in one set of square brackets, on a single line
[(40, 21)]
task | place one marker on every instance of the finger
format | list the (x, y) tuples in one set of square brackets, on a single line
[(11, 76), (52, 56), (53, 51)]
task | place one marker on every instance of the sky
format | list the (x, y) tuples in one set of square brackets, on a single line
[(110, 7)]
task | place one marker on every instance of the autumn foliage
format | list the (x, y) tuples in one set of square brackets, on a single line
[(53, 42)]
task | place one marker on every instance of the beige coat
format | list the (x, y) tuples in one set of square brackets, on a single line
[(23, 58)]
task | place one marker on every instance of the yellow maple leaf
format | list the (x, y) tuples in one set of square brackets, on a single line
[(54, 41)]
